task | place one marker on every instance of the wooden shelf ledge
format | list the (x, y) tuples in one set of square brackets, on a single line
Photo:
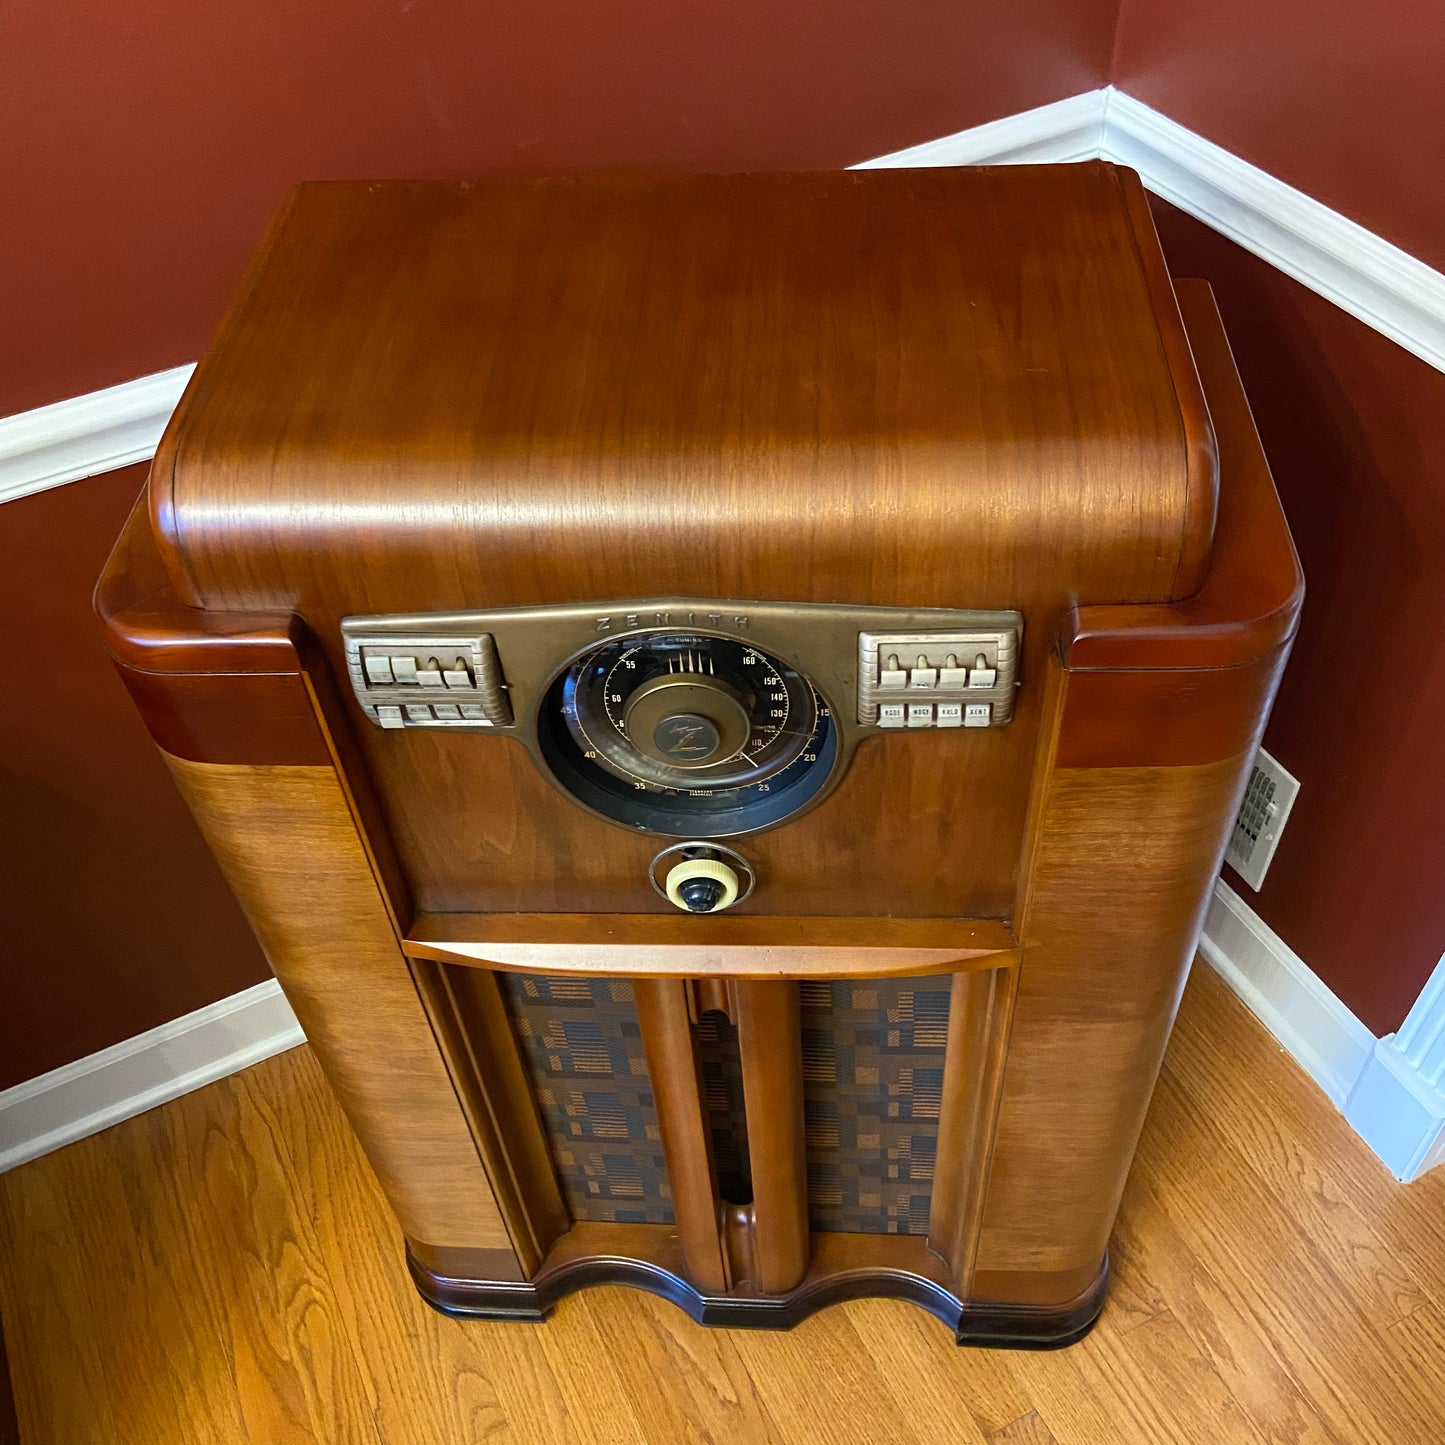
[(661, 945)]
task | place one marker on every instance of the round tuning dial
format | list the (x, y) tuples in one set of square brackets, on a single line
[(687, 733), (702, 886)]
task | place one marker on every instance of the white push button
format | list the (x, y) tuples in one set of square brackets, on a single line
[(892, 677), (390, 717), (448, 711), (950, 714), (378, 668), (430, 675), (405, 669), (457, 675), (920, 714), (977, 715), (418, 712), (892, 715), (922, 674), (473, 712), (983, 675), (953, 678)]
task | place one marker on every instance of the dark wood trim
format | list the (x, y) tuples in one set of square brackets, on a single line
[(213, 687), (1161, 718), (843, 1267)]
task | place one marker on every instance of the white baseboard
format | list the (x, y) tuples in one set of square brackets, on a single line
[(91, 1094), (87, 435), (1389, 1089), (1311, 1023)]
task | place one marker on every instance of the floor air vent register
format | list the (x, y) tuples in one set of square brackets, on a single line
[(672, 667)]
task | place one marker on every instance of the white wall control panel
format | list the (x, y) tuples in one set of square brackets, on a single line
[(937, 679)]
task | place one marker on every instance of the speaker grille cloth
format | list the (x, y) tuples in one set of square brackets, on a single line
[(582, 1045), (872, 1085)]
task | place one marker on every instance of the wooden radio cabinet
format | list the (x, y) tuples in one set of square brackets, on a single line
[(722, 698)]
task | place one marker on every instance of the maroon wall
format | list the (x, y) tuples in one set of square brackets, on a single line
[(145, 147), (1355, 431), (147, 143), (113, 917), (1343, 99)]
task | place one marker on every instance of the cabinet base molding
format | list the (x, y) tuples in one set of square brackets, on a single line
[(843, 1267)]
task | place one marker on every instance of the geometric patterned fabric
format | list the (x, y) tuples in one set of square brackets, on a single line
[(582, 1046), (873, 1055)]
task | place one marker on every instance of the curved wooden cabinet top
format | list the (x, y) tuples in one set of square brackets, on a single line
[(518, 391), (1250, 601)]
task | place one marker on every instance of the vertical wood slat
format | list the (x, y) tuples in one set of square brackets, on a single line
[(664, 1018), (769, 1023), (980, 1015), (474, 1032)]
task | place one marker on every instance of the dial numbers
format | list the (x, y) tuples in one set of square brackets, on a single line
[(680, 732), (782, 710)]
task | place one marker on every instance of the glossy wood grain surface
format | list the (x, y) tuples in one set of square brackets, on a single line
[(326, 932), (901, 388), (496, 357), (1272, 1283), (664, 1019), (1040, 417), (1249, 603), (726, 945), (483, 1058)]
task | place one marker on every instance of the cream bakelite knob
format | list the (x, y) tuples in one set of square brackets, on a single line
[(701, 885)]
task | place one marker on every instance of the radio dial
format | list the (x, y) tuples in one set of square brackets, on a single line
[(687, 732)]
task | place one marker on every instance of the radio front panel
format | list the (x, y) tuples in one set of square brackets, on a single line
[(688, 717)]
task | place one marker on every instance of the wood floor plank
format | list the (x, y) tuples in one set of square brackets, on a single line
[(710, 1397), (1026, 1430), (928, 1390), (224, 1269), (290, 1341), (1418, 1343), (1227, 1056), (431, 1383), (816, 1378), (1251, 1370), (49, 1333), (1274, 1275), (1158, 1362), (148, 1284), (1280, 1143)]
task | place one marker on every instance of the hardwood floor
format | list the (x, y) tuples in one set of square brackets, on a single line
[(223, 1270)]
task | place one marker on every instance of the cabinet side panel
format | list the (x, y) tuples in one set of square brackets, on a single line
[(1122, 869), (287, 844)]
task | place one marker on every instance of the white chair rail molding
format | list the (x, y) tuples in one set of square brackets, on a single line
[(1392, 1089)]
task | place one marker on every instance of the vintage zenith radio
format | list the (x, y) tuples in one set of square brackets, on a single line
[(722, 698)]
